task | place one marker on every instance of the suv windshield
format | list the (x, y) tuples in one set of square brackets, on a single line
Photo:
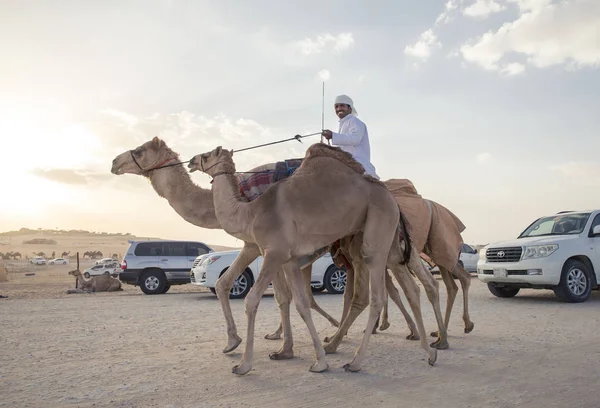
[(561, 224)]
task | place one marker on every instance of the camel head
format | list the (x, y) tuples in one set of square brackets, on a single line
[(217, 161), (154, 153), (75, 272)]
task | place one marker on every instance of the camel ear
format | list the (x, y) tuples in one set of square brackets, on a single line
[(218, 151), (157, 143)]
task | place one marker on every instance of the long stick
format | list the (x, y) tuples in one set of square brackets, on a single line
[(323, 111)]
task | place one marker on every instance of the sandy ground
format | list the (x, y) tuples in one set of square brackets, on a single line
[(128, 349)]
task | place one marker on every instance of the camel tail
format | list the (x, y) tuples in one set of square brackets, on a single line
[(408, 245)]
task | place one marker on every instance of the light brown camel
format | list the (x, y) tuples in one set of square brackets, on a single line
[(101, 283), (196, 206), (292, 219)]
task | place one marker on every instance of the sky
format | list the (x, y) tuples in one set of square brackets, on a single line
[(490, 107)]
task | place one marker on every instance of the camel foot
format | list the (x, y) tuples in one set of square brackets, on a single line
[(351, 369), (330, 348), (440, 345), (282, 355), (384, 326), (413, 336), (232, 344), (432, 358), (273, 336), (241, 369), (319, 367), (469, 327)]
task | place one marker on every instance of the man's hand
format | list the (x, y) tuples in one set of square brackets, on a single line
[(327, 134)]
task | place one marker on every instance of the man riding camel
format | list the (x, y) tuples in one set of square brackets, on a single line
[(352, 136)]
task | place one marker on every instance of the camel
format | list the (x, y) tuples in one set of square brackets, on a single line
[(195, 205), (292, 220), (101, 283), (65, 254)]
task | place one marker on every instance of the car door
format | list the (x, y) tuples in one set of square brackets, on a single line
[(194, 250), (595, 244), (174, 261), (469, 257)]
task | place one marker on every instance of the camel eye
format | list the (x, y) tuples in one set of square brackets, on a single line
[(138, 152)]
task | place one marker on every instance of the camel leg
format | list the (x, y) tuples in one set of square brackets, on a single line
[(270, 267), (395, 296), (248, 254), (385, 322), (359, 301), (432, 290), (411, 290), (376, 269), (451, 290), (464, 278), (303, 307), (283, 296), (306, 273)]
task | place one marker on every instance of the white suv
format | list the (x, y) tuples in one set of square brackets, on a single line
[(155, 265), (208, 268), (559, 252)]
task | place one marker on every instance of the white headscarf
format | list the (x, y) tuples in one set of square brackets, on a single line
[(348, 101)]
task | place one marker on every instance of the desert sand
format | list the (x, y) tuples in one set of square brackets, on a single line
[(127, 349)]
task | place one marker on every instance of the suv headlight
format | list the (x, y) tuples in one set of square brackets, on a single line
[(210, 260), (539, 251), (482, 253)]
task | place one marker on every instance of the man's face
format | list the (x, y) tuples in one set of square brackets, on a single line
[(342, 110)]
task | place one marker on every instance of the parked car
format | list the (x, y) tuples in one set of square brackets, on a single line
[(559, 252), (208, 268), (105, 260), (38, 260), (155, 265), (112, 269), (468, 259), (58, 261)]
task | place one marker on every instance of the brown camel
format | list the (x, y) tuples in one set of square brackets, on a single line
[(196, 206), (101, 283), (292, 219)]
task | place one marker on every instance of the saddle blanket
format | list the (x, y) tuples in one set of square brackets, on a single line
[(252, 185)]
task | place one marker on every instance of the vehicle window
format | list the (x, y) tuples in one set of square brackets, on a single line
[(174, 249), (467, 249), (148, 249), (196, 249), (595, 222), (566, 224)]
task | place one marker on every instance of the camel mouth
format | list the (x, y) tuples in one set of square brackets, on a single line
[(192, 165), (118, 170)]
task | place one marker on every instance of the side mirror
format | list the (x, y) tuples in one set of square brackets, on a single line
[(596, 230)]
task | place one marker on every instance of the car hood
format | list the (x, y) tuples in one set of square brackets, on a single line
[(222, 253), (546, 240)]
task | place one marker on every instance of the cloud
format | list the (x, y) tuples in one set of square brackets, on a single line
[(337, 43), (449, 12), (69, 176), (324, 75), (483, 8), (513, 68), (483, 157), (423, 47), (546, 34)]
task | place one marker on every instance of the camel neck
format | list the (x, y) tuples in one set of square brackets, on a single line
[(193, 203), (232, 211)]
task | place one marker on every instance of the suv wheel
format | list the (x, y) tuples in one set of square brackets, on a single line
[(503, 292), (335, 280), (153, 282), (241, 286), (575, 285)]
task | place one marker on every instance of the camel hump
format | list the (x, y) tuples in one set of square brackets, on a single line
[(334, 152)]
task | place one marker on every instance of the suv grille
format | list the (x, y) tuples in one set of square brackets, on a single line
[(509, 254)]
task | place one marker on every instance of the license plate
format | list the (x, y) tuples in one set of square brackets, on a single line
[(500, 273)]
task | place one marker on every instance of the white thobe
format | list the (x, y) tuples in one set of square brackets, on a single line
[(353, 137)]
